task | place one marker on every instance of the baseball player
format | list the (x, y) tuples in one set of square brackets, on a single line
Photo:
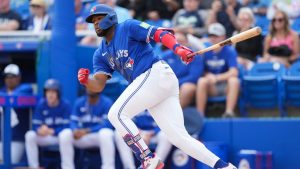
[(89, 128), (50, 118), (153, 85)]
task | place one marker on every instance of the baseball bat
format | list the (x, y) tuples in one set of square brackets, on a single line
[(234, 39)]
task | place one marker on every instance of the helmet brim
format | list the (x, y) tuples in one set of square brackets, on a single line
[(89, 19)]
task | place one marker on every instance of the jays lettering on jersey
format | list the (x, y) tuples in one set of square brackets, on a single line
[(129, 52), (56, 118), (221, 61), (93, 117)]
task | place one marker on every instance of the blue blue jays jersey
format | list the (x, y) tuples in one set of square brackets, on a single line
[(221, 61), (129, 51), (56, 118), (92, 117)]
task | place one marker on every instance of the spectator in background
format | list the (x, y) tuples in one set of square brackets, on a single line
[(89, 128), (186, 74), (122, 13), (151, 134), (19, 116), (39, 20), (50, 118), (165, 8), (190, 19), (282, 43), (220, 73), (224, 14), (249, 49), (291, 8), (9, 19), (81, 12)]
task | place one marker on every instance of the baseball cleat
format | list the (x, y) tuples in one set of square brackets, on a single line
[(230, 166), (152, 163)]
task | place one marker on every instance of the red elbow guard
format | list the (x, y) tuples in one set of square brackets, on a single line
[(166, 38)]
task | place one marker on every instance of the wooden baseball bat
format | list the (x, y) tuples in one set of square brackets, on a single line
[(234, 39)]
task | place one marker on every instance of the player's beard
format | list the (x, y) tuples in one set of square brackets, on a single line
[(102, 33)]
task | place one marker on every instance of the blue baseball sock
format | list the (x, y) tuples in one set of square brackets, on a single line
[(220, 164)]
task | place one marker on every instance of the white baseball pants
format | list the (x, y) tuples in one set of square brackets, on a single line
[(16, 149), (158, 91), (104, 139)]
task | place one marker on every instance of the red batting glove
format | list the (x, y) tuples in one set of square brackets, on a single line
[(83, 76), (184, 53)]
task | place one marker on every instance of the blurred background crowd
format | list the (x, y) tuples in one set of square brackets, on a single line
[(262, 72)]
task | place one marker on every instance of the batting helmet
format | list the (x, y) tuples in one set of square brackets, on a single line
[(52, 84), (109, 20)]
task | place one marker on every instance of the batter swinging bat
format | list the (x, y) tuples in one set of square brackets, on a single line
[(234, 39)]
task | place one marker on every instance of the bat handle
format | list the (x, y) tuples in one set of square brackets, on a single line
[(192, 54)]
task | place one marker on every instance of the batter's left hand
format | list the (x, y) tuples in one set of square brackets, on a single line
[(184, 53)]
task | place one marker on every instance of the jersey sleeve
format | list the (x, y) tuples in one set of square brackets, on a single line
[(37, 118), (140, 31), (74, 119), (101, 65)]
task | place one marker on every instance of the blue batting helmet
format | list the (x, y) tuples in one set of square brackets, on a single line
[(109, 20), (52, 84)]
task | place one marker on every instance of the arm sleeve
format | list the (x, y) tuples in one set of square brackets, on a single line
[(140, 31), (66, 112), (74, 119), (101, 65), (37, 118)]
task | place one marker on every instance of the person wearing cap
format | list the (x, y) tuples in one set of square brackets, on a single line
[(9, 19), (39, 19), (20, 117), (220, 73), (51, 116)]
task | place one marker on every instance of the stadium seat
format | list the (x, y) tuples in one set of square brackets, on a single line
[(291, 83), (296, 25), (263, 22), (261, 88)]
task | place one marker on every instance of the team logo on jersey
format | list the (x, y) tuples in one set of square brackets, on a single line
[(111, 62), (129, 63)]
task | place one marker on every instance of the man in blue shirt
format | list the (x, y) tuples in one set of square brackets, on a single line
[(220, 73), (89, 128), (20, 117), (153, 84), (50, 118)]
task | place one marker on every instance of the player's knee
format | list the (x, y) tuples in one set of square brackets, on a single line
[(65, 136), (112, 115), (106, 133), (30, 136), (202, 82)]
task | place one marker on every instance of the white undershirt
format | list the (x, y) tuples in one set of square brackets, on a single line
[(40, 23)]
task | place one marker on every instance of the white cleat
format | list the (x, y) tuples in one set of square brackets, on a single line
[(230, 166), (152, 163)]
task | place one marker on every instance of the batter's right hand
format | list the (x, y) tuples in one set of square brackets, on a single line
[(83, 76)]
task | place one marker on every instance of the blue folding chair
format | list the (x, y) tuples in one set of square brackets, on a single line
[(291, 83), (261, 88)]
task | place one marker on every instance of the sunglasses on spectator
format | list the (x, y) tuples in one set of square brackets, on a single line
[(277, 19), (35, 6)]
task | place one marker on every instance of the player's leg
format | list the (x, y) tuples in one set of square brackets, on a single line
[(17, 150), (31, 147), (104, 139), (169, 117), (163, 147), (124, 152), (66, 149), (32, 141)]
